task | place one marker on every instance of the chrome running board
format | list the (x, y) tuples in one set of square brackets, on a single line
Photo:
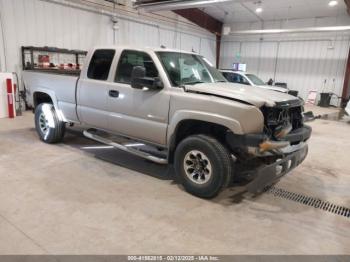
[(122, 147)]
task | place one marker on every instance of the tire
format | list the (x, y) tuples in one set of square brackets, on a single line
[(47, 124), (203, 165)]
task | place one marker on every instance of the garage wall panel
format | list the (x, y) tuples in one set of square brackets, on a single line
[(40, 23), (267, 60), (249, 52), (137, 34), (229, 54), (260, 57), (305, 61), (208, 49), (189, 43), (2, 48), (312, 65), (304, 64), (168, 38)]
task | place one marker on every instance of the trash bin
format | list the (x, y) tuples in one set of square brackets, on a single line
[(325, 100)]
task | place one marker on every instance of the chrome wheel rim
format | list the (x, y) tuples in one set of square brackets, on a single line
[(43, 124), (197, 167)]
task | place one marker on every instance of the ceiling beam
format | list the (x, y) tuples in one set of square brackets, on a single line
[(201, 19), (187, 9), (347, 2)]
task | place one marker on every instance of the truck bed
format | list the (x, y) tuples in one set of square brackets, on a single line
[(61, 86)]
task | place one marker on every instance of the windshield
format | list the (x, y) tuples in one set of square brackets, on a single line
[(189, 69), (256, 80)]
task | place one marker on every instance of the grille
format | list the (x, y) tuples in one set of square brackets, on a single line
[(309, 201), (276, 117), (296, 117)]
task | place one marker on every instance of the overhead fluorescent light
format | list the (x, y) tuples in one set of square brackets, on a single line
[(296, 30), (333, 3), (258, 10), (154, 6)]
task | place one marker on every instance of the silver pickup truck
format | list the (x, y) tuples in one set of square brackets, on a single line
[(174, 107)]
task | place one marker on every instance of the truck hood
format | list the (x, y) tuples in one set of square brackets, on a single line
[(274, 88), (247, 94)]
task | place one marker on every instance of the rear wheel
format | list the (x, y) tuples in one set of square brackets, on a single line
[(203, 165), (47, 124)]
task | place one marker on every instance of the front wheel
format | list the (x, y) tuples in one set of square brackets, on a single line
[(47, 124), (203, 165)]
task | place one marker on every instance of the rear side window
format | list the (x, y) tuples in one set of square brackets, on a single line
[(243, 80), (100, 64), (235, 78), (130, 59), (228, 76)]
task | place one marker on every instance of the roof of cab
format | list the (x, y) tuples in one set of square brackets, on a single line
[(144, 49)]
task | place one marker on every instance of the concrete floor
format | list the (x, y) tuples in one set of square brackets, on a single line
[(317, 110), (72, 199)]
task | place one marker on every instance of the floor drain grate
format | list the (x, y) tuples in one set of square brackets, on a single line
[(309, 201)]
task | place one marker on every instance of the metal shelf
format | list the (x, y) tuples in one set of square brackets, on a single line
[(29, 64)]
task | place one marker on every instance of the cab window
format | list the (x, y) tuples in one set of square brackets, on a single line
[(100, 64), (128, 60)]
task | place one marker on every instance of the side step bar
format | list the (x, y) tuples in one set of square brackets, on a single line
[(122, 147)]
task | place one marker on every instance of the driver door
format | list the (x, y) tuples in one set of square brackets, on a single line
[(137, 113)]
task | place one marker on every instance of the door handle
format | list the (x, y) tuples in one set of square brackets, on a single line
[(113, 93)]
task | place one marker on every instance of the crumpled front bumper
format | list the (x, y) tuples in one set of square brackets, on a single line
[(254, 140), (289, 152), (269, 174)]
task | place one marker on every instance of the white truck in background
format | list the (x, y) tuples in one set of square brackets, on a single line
[(250, 79)]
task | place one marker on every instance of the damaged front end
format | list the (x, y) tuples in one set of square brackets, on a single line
[(264, 158)]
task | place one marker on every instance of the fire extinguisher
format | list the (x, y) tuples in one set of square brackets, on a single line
[(10, 100)]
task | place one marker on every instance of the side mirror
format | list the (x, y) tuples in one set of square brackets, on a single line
[(139, 79)]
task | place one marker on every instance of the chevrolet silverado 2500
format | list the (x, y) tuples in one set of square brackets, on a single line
[(174, 107)]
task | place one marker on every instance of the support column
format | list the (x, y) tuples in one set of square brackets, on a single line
[(346, 87), (218, 48)]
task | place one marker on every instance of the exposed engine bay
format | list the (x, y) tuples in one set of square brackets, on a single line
[(280, 121)]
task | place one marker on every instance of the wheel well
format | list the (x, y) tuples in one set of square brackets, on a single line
[(40, 98), (192, 127)]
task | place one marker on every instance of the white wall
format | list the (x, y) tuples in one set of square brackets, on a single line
[(2, 49), (41, 23), (304, 61)]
